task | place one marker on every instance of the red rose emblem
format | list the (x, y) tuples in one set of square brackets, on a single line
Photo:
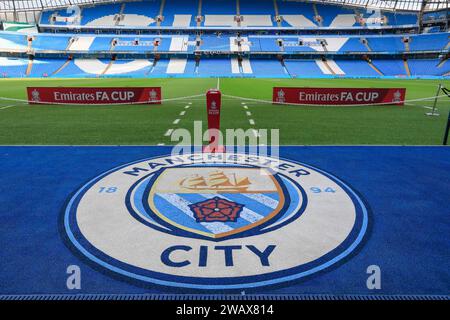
[(216, 210)]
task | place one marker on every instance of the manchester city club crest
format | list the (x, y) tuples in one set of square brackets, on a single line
[(209, 221)]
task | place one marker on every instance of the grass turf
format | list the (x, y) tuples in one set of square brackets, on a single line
[(21, 124)]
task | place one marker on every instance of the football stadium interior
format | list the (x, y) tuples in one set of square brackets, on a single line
[(354, 87)]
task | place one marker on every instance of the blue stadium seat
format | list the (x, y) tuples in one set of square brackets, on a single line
[(51, 42), (386, 43), (101, 43), (428, 67), (390, 67), (13, 67), (13, 41), (354, 44), (329, 13), (218, 7), (213, 43), (215, 68), (265, 68), (430, 42), (46, 67), (91, 14), (261, 7), (303, 68), (357, 68), (180, 7)]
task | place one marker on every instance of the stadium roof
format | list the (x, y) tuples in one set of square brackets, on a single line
[(409, 5)]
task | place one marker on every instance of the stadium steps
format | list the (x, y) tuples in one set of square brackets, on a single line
[(235, 66), (199, 13), (406, 44), (112, 45), (246, 67), (324, 67), (334, 67), (197, 65), (108, 66), (152, 67), (30, 43), (71, 41), (161, 13), (120, 16), (238, 7), (277, 12), (408, 71), (29, 67), (65, 64), (441, 63), (375, 68), (447, 47), (285, 68), (176, 66), (365, 42), (316, 12)]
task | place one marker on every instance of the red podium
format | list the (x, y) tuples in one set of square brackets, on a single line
[(213, 106)]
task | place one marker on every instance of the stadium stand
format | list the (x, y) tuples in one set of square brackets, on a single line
[(249, 52), (180, 13)]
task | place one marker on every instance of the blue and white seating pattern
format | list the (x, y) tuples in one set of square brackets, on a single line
[(183, 13), (183, 43), (219, 67)]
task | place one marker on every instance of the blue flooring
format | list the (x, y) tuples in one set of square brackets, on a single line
[(406, 188)]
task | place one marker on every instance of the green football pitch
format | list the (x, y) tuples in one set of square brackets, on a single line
[(21, 124)]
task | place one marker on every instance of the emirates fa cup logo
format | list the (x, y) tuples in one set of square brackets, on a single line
[(397, 96), (281, 96), (153, 95), (35, 96)]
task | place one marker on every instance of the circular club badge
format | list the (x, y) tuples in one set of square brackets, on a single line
[(215, 221)]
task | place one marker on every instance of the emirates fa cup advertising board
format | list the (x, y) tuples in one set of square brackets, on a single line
[(339, 96), (88, 95)]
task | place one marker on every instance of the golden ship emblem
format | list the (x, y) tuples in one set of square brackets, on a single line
[(216, 181)]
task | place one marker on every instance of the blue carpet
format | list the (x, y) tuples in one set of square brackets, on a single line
[(405, 190)]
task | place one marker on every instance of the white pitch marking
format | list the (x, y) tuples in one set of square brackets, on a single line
[(187, 107), (249, 113), (190, 103), (245, 107), (182, 113), (218, 83), (252, 122), (6, 107), (161, 144), (255, 132), (176, 121), (169, 132)]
